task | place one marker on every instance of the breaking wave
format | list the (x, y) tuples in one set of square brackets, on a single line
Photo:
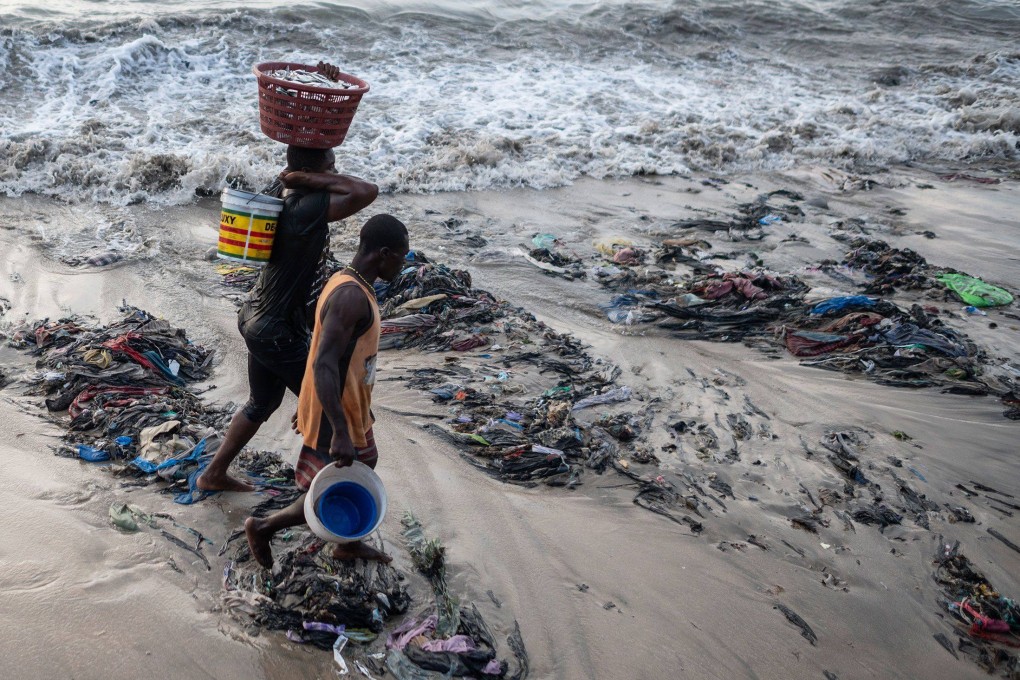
[(160, 107)]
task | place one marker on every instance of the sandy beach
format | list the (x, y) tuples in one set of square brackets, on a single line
[(601, 587)]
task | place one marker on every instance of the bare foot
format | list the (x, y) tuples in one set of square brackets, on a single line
[(360, 551), (209, 481), (258, 541)]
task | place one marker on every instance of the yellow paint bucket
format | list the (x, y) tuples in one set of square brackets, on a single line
[(247, 226)]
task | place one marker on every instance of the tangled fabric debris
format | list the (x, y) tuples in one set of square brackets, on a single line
[(447, 638), (125, 391), (501, 429), (986, 623), (348, 606), (549, 255), (308, 589), (125, 388), (855, 333)]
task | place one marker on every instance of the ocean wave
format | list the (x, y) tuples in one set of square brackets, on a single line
[(163, 108)]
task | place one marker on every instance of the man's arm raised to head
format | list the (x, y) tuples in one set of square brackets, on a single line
[(345, 310), (347, 194)]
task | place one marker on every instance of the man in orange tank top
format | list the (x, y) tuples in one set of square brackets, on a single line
[(334, 408), (275, 319)]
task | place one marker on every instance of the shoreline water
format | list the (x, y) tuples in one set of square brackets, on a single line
[(684, 606), (154, 108)]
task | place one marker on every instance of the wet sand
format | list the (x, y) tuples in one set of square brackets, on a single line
[(83, 600)]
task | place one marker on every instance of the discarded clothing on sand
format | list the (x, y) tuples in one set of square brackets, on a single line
[(124, 388), (840, 304), (307, 584), (889, 267), (987, 622), (612, 396), (453, 640)]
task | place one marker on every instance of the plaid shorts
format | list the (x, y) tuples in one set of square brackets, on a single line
[(310, 461)]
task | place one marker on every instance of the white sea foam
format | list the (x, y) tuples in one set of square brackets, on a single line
[(161, 108)]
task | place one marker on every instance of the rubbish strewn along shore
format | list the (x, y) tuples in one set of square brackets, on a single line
[(771, 444)]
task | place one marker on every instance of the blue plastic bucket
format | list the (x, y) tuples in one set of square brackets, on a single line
[(343, 505), (347, 509)]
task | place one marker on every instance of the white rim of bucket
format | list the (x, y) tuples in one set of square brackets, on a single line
[(245, 200)]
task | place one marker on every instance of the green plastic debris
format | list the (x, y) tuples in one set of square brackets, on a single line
[(478, 439), (547, 241), (553, 391), (429, 556), (126, 517), (975, 291), (362, 635), (902, 436)]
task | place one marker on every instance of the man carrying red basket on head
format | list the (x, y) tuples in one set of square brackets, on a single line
[(275, 320)]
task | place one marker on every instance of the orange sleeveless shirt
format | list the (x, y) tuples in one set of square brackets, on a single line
[(357, 396)]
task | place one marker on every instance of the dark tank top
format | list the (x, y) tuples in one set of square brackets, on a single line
[(276, 308)]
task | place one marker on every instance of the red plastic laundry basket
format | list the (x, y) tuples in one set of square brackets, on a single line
[(306, 115)]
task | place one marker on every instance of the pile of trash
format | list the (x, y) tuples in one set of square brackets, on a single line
[(549, 255), (888, 268), (519, 439), (896, 347), (429, 305), (639, 273), (447, 638), (501, 429), (987, 624), (124, 390), (309, 595), (893, 346), (856, 334), (347, 606), (707, 302), (730, 307), (713, 305)]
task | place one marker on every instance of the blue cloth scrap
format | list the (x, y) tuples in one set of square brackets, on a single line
[(158, 362), (148, 467), (194, 494), (631, 299), (839, 304), (445, 395), (92, 455)]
